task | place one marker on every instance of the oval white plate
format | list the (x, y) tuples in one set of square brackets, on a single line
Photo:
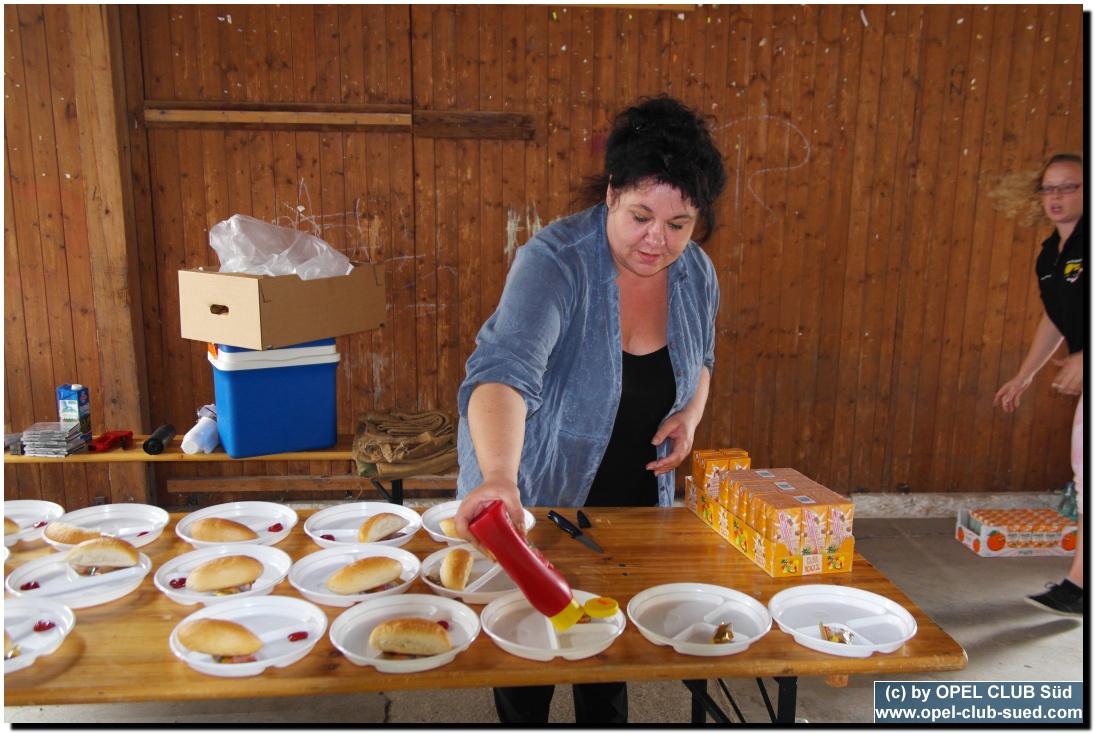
[(350, 630), (29, 513), (518, 628), (431, 521), (309, 575), (137, 523), (341, 523), (878, 624), (58, 581), (275, 567), (686, 615), (257, 515), (273, 619), (20, 616), (481, 588)]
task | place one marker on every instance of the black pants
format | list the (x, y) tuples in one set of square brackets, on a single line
[(593, 703)]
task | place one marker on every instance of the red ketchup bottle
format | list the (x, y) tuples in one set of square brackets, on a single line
[(541, 583)]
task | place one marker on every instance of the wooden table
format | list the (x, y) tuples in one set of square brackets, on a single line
[(118, 651)]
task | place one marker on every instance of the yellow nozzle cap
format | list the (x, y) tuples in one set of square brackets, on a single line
[(601, 607), (568, 616)]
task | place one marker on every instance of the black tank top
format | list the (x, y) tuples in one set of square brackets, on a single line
[(647, 395)]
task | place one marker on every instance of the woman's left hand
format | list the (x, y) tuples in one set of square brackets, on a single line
[(1070, 378), (680, 432)]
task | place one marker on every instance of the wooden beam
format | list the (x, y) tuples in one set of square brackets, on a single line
[(96, 52), (475, 124), (468, 124)]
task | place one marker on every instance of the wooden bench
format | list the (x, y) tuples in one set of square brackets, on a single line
[(341, 451)]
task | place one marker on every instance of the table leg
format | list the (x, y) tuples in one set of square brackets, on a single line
[(703, 704), (396, 494), (788, 696)]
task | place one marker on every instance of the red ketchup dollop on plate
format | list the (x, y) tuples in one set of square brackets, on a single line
[(43, 625), (444, 624), (177, 583), (275, 528), (39, 524), (327, 537), (298, 636), (28, 586)]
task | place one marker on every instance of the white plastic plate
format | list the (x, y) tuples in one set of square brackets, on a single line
[(350, 631), (21, 615), (309, 575), (32, 517), (488, 580), (137, 523), (431, 521), (58, 581), (338, 525), (877, 623), (275, 567), (686, 615), (273, 619), (515, 625), (271, 521)]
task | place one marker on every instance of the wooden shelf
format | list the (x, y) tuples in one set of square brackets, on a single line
[(341, 451)]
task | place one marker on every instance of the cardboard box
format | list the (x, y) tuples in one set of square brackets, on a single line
[(709, 465), (1032, 532), (266, 312)]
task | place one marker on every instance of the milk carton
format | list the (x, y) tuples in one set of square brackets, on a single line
[(74, 407)]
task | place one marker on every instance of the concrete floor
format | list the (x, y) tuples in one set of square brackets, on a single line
[(978, 601)]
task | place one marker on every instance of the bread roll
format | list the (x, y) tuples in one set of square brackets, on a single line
[(220, 530), (364, 574), (105, 551), (448, 528), (218, 637), (10, 526), (66, 533), (413, 636), (224, 573), (380, 527), (456, 568)]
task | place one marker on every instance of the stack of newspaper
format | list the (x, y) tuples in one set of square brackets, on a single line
[(53, 439)]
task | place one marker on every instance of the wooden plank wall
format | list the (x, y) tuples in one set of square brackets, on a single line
[(873, 300)]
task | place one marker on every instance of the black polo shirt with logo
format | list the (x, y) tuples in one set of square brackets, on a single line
[(1062, 282)]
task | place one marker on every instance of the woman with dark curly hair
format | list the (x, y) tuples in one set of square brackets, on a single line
[(588, 381)]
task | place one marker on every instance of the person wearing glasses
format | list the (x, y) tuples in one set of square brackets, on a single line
[(1057, 193), (586, 384)]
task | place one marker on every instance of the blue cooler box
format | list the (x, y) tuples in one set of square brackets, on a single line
[(274, 401)]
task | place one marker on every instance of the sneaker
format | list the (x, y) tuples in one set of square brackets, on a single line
[(1058, 602)]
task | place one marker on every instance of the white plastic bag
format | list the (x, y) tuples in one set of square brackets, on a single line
[(249, 245)]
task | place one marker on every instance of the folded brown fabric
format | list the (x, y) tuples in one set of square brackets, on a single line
[(395, 443)]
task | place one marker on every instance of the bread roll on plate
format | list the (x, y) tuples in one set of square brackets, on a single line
[(364, 575), (10, 526), (225, 575), (220, 530), (67, 533), (224, 640), (102, 555), (380, 527), (456, 568), (410, 637), (448, 528)]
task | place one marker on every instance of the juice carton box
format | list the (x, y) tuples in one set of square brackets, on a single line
[(74, 407), (1032, 532), (709, 465)]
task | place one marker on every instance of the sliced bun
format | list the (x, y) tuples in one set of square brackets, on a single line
[(414, 636), (66, 533), (364, 574), (456, 568), (105, 551), (220, 530), (223, 573), (380, 527), (448, 528), (218, 637), (10, 526)]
